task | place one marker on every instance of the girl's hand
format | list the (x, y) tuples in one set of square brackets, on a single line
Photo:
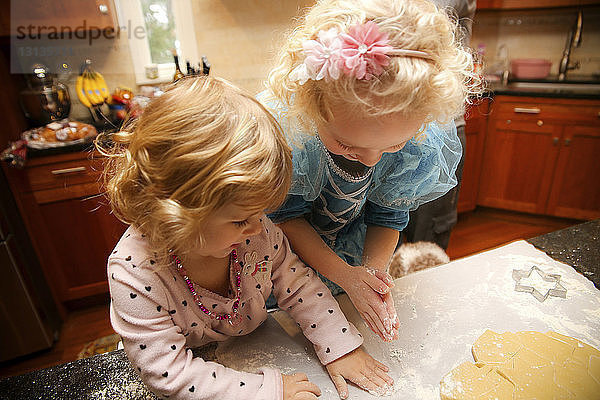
[(298, 387), (363, 370), (369, 291)]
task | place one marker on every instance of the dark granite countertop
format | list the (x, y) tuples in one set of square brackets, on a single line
[(576, 87), (552, 93), (110, 376), (577, 246)]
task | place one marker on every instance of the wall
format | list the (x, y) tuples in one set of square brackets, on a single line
[(539, 34), (240, 37)]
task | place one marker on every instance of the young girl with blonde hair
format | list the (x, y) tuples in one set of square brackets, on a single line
[(192, 177), (366, 91)]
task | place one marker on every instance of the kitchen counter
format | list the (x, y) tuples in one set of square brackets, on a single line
[(109, 376), (577, 246), (587, 89)]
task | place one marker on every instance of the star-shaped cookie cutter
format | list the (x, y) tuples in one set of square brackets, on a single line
[(558, 291)]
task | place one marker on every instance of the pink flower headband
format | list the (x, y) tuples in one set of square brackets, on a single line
[(362, 53)]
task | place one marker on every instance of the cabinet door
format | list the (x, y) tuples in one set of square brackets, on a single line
[(45, 16), (526, 4), (83, 232), (576, 187), (518, 163), (476, 121)]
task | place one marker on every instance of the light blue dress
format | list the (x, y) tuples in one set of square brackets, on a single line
[(340, 205)]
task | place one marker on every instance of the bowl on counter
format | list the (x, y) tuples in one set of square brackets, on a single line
[(530, 68)]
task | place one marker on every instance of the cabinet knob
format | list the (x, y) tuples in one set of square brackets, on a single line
[(555, 140), (103, 9), (540, 122), (567, 141), (508, 121)]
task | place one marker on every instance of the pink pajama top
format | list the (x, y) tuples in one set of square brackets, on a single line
[(155, 313)]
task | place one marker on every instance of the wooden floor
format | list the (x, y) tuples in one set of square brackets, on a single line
[(487, 228), (475, 231)]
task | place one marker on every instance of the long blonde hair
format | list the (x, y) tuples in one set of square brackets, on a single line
[(203, 144), (438, 88)]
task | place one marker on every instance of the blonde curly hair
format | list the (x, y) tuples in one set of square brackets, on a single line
[(203, 144), (438, 88)]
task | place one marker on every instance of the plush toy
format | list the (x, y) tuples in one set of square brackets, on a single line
[(411, 257)]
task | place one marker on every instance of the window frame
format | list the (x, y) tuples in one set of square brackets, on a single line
[(129, 16)]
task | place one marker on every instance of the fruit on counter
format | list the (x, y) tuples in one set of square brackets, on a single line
[(91, 87), (91, 91), (104, 92), (81, 92)]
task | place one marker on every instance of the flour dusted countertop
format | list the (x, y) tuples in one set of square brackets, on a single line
[(442, 311), (421, 363)]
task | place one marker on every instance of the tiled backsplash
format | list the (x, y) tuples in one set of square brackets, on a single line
[(539, 34)]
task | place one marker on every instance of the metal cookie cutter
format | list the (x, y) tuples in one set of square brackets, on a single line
[(558, 291)]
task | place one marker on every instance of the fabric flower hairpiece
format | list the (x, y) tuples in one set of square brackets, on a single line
[(363, 52)]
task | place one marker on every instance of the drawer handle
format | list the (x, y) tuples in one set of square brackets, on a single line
[(68, 170), (567, 141), (555, 140), (522, 110), (540, 122)]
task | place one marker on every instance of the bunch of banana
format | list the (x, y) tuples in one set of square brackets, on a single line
[(91, 88)]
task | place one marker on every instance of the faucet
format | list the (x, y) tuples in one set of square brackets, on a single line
[(573, 40)]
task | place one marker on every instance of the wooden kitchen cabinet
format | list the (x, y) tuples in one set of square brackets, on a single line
[(476, 125), (540, 156), (81, 15), (529, 4), (576, 186), (69, 222)]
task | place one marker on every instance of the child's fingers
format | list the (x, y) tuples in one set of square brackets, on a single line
[(305, 396), (375, 379), (369, 321), (379, 322), (388, 379), (340, 385), (376, 283), (308, 386), (381, 366), (299, 376), (385, 277), (392, 322), (364, 383), (381, 373)]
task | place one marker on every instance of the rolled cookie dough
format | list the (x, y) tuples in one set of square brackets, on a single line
[(525, 365)]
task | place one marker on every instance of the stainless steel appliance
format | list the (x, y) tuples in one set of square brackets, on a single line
[(29, 319), (45, 99)]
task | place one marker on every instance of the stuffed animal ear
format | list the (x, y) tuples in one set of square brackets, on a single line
[(411, 257)]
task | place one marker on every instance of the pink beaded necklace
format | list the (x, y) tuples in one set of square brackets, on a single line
[(232, 318)]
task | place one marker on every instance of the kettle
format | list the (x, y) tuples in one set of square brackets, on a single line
[(45, 99)]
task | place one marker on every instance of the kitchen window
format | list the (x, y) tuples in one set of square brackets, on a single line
[(157, 27)]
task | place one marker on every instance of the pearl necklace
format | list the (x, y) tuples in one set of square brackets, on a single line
[(232, 318), (339, 171)]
